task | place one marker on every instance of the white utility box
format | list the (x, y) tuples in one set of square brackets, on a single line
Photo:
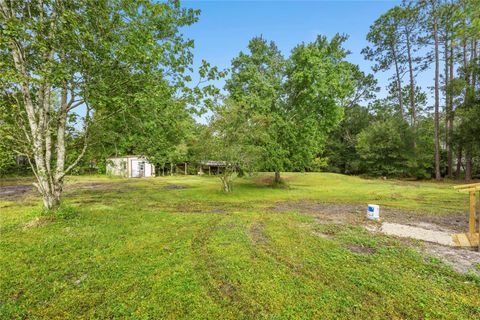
[(373, 212)]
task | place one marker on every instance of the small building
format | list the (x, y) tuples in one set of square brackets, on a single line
[(211, 167), (130, 167)]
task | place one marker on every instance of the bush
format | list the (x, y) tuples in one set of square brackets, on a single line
[(384, 148)]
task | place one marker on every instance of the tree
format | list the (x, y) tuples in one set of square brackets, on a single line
[(431, 11), (7, 143), (232, 137), (61, 55), (340, 152), (319, 83), (412, 39), (448, 22), (386, 52), (384, 148), (298, 101), (256, 85)]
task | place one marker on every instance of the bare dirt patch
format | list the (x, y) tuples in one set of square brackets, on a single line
[(92, 185), (326, 234), (227, 290), (14, 191), (82, 278), (355, 214), (270, 181), (460, 259), (174, 187), (97, 186), (362, 249), (325, 213), (17, 295)]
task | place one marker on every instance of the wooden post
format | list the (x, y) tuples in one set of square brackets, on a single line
[(209, 171), (478, 218), (471, 220), (185, 168)]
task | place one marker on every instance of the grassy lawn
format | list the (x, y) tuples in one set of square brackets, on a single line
[(177, 247)]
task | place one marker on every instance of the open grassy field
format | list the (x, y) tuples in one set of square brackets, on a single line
[(177, 247)]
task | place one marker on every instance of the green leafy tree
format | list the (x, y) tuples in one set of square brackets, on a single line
[(341, 152), (384, 149), (232, 137), (154, 120), (386, 50), (319, 83), (61, 55), (256, 85), (7, 141), (298, 101)]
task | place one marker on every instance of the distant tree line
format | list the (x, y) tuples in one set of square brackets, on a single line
[(316, 111), (82, 81), (402, 134)]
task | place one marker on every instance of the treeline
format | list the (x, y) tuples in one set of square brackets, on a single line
[(73, 98), (315, 111), (406, 133)]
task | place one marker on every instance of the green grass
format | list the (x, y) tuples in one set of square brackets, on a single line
[(133, 249)]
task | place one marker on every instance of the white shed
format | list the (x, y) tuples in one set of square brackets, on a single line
[(130, 167)]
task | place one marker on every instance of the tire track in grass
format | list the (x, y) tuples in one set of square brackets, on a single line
[(320, 281), (261, 241), (219, 288)]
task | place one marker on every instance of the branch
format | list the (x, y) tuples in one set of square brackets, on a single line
[(85, 144), (73, 104), (37, 185)]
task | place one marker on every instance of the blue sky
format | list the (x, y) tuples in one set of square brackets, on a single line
[(225, 27)]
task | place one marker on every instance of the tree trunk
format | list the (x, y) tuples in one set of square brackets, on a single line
[(412, 83), (448, 110), (226, 181), (399, 83), (465, 61), (473, 60), (450, 118), (437, 100), (277, 177), (459, 164), (468, 166)]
